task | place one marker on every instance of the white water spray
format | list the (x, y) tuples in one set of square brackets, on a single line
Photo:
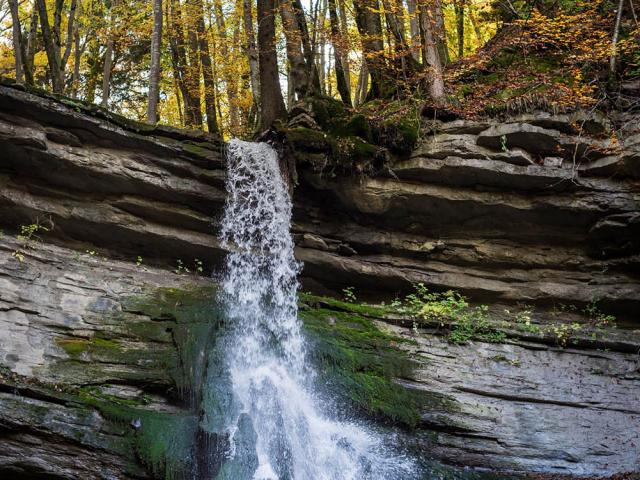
[(295, 438)]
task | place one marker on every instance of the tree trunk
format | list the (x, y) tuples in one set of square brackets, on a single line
[(614, 40), (252, 53), (229, 77), (322, 60), (69, 40), (77, 58), (51, 45), (414, 29), (271, 96), (18, 46), (108, 59), (430, 56), (299, 71), (180, 65), (306, 44), (458, 6), (177, 61), (441, 37), (406, 64), (207, 71), (29, 59), (154, 73), (193, 69), (363, 85), (341, 79), (370, 28), (344, 28), (106, 74)]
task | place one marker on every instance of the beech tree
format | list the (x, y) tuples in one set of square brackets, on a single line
[(18, 45), (154, 70), (273, 107), (52, 39)]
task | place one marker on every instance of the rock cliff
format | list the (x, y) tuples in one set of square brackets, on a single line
[(109, 225)]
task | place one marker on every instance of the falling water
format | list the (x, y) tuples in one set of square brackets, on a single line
[(280, 424)]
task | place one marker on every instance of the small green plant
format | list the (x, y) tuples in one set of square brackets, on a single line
[(349, 295), (181, 268), (564, 331), (475, 324), (524, 322), (138, 261), (503, 143), (28, 239), (596, 317), (198, 266), (450, 307)]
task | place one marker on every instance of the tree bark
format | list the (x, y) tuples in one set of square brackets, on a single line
[(106, 74), (458, 6), (70, 30), (362, 85), (341, 78), (108, 59), (230, 79), (441, 37), (414, 29), (614, 40), (77, 58), (178, 60), (193, 69), (271, 96), (207, 71), (430, 55), (344, 28), (51, 43), (154, 73), (405, 62), (299, 71), (28, 60), (252, 53), (370, 28), (306, 44), (18, 45)]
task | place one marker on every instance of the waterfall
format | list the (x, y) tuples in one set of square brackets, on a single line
[(279, 424)]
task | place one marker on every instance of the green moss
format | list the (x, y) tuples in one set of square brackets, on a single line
[(75, 347), (162, 442), (327, 110), (308, 300), (202, 150), (357, 126), (359, 363), (308, 139), (190, 315), (349, 150)]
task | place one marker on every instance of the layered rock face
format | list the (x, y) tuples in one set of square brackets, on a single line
[(540, 209), (92, 379), (93, 178)]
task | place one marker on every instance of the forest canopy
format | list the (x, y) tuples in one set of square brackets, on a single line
[(236, 66)]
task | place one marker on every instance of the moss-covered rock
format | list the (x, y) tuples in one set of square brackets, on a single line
[(359, 363)]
